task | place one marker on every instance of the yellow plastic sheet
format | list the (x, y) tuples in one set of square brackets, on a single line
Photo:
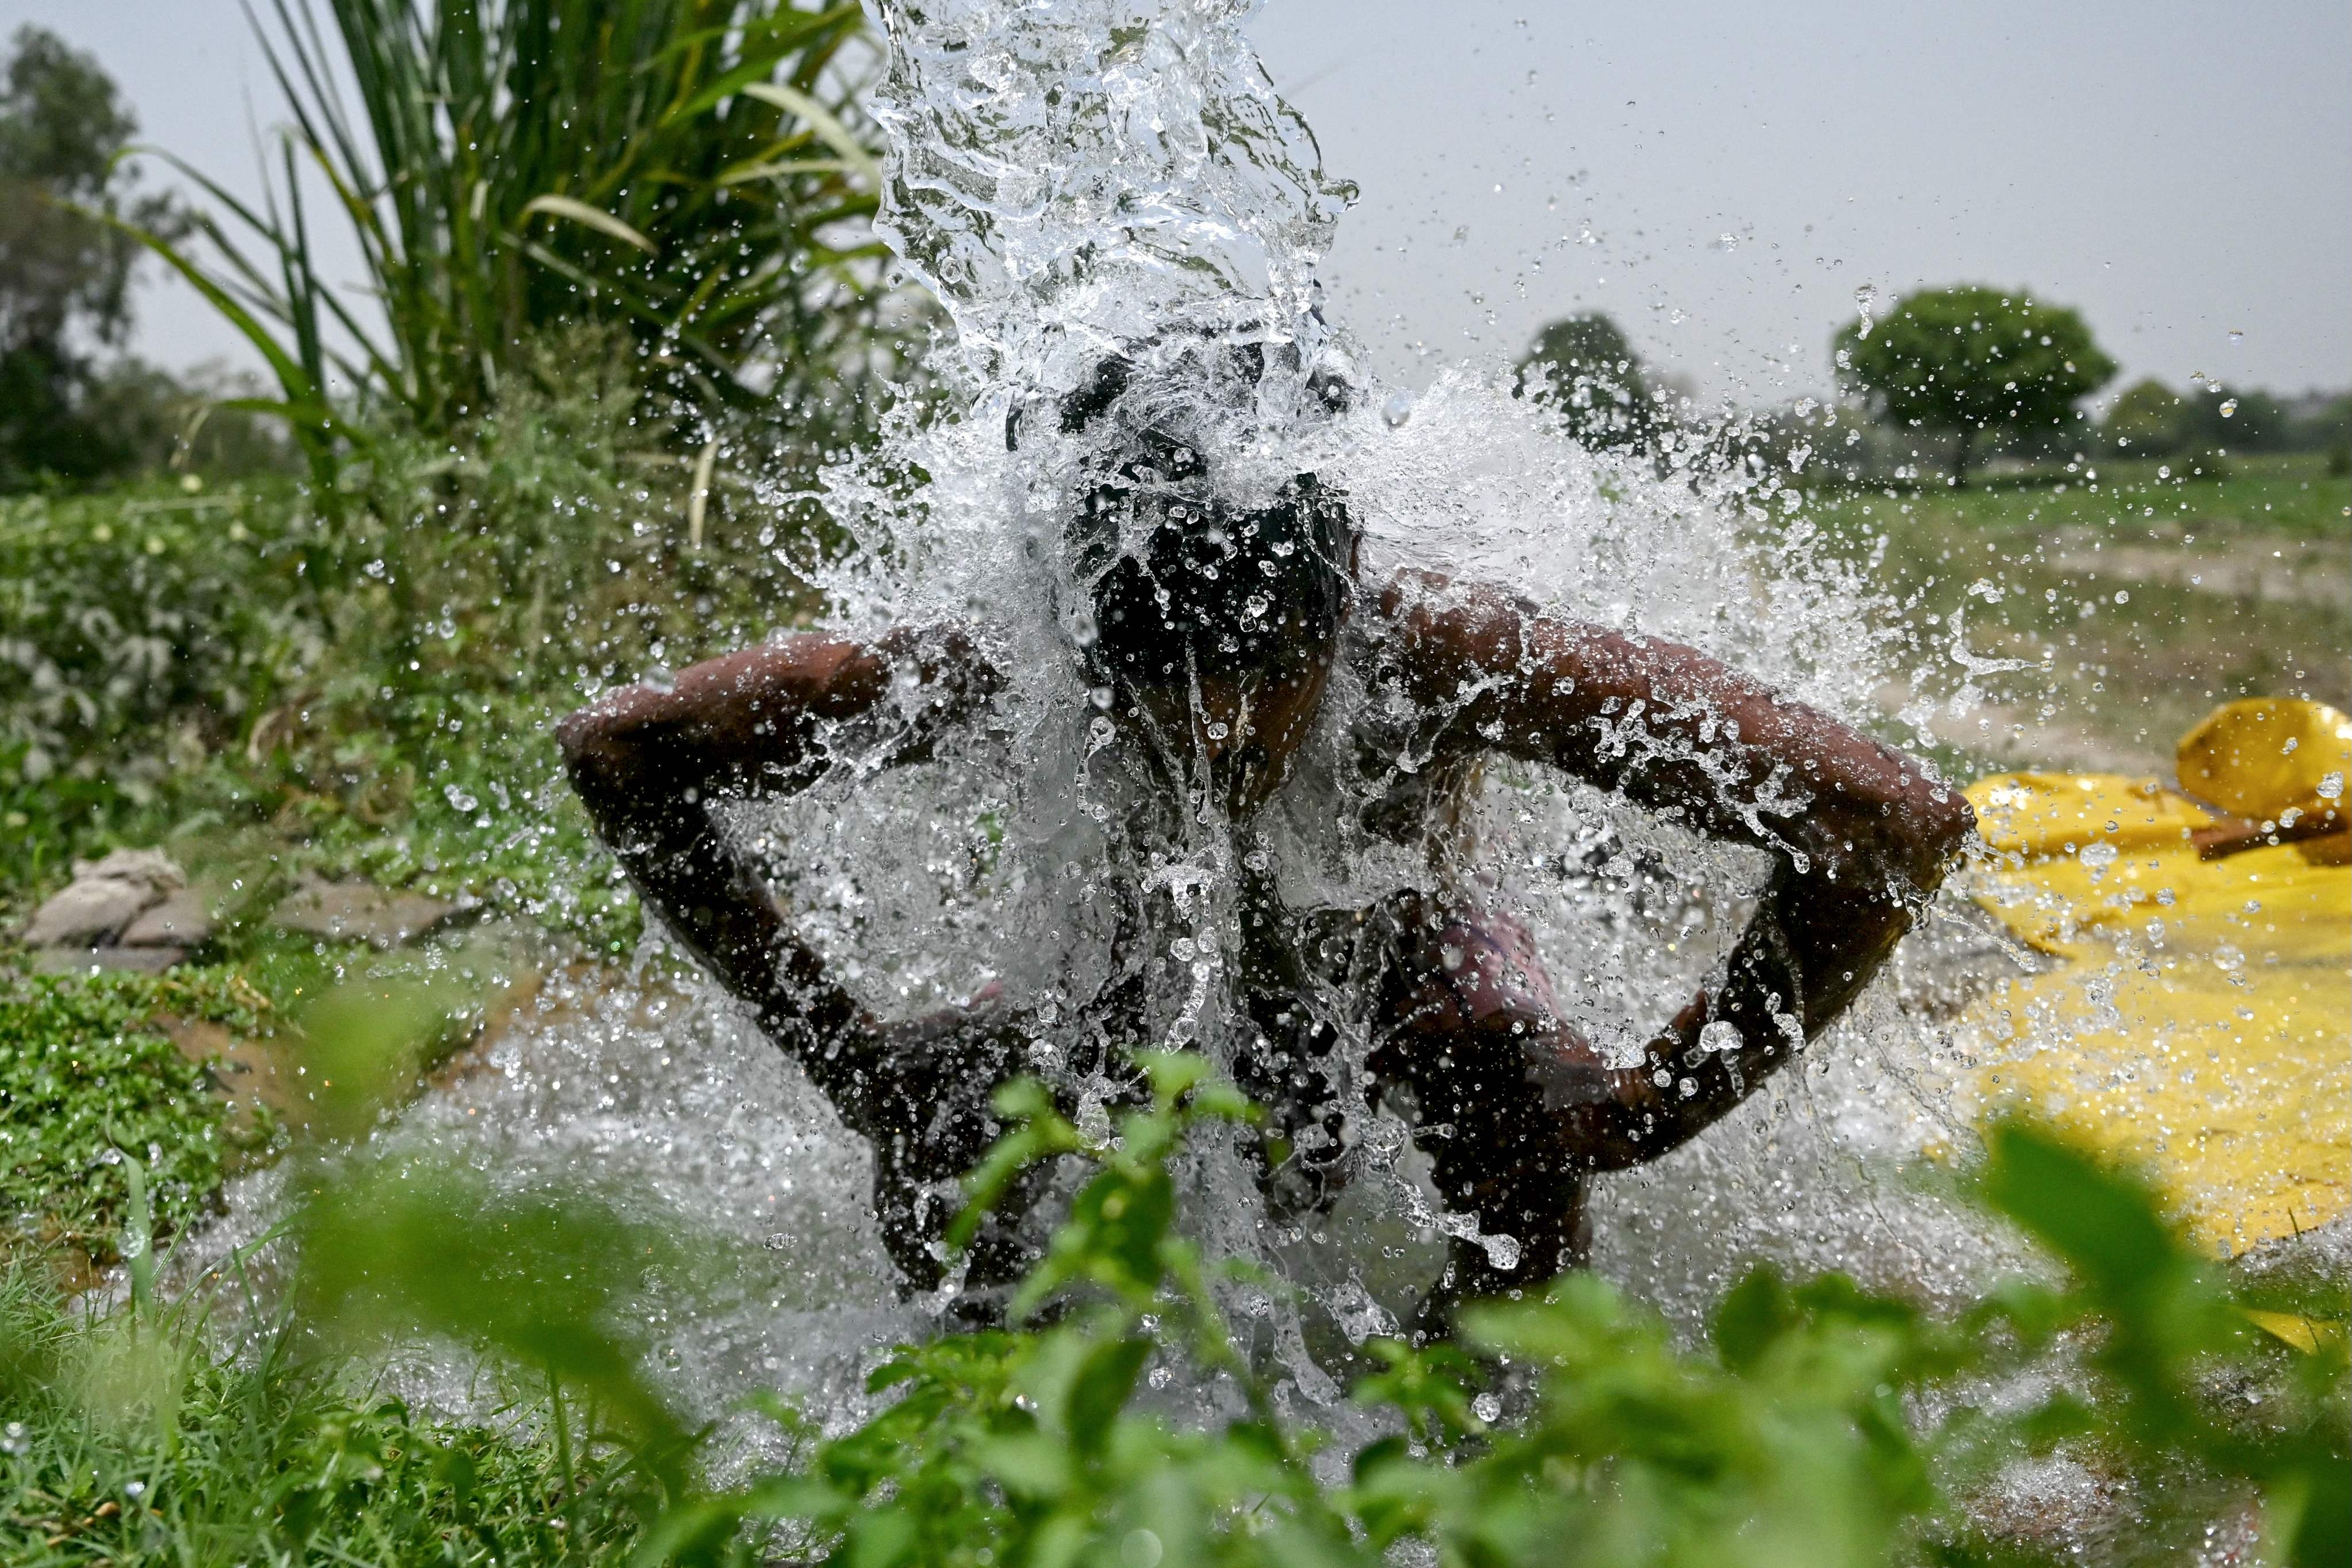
[(2200, 1019)]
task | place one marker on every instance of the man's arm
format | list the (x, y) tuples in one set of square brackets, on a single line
[(1860, 831), (649, 762)]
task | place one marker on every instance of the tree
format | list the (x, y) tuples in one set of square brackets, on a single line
[(1971, 359), (2147, 420), (1583, 366), (64, 274)]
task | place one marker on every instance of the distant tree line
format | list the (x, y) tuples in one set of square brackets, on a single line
[(1945, 382), (73, 406)]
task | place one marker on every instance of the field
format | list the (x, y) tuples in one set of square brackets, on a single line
[(220, 684), (2151, 595)]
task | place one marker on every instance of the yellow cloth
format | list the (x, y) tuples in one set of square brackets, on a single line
[(2201, 1021)]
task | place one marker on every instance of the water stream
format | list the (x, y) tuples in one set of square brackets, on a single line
[(1078, 178)]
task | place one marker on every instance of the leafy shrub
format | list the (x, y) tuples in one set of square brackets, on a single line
[(373, 682)]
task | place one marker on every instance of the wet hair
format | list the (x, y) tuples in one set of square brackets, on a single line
[(1182, 584)]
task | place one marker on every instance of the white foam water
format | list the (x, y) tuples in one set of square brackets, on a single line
[(1074, 178)]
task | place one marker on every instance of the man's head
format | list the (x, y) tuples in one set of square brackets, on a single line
[(1214, 620)]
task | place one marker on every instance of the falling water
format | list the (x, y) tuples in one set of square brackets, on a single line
[(1075, 178)]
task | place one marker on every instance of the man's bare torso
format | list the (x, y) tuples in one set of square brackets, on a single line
[(1429, 1000)]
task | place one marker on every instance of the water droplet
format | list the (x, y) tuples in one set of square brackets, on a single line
[(1719, 1035), (1101, 696), (1398, 409), (1487, 1408), (1140, 1548), (2229, 408), (2237, 336)]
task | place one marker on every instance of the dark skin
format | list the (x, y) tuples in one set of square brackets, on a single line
[(1859, 834)]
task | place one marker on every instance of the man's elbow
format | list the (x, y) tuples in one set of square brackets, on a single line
[(598, 748), (1945, 819), (1935, 821)]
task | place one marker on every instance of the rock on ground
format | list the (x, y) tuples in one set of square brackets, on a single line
[(356, 911), (109, 899)]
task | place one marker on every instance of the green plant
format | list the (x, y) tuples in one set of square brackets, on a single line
[(89, 1087), (1969, 360), (696, 170), (129, 1438), (1823, 1424)]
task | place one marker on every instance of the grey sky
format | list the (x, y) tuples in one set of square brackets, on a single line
[(2177, 170)]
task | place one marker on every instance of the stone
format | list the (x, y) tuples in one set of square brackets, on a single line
[(182, 920), (150, 868), (358, 912), (248, 1074), (105, 897), (82, 960), (87, 912)]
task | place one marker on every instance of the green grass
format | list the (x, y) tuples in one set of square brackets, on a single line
[(2293, 495), (2144, 598), (135, 1440), (87, 1081)]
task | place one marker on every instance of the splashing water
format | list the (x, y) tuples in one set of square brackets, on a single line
[(1083, 179)]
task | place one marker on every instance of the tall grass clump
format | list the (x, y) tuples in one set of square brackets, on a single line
[(699, 172), (127, 1436)]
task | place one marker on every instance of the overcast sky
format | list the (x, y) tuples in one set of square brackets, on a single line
[(2178, 171)]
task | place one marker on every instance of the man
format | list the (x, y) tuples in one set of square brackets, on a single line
[(1213, 628)]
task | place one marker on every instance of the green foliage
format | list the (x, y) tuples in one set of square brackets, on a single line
[(1587, 370), (65, 273), (374, 691), (2151, 420), (1822, 1424), (87, 1085), (697, 171), (129, 1439), (1969, 359), (1825, 1425), (540, 1279)]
